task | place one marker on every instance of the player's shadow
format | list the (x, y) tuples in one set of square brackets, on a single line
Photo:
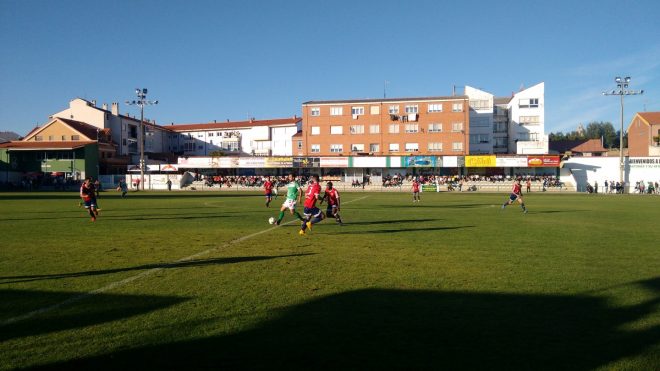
[(180, 264), (397, 221), (395, 329), (94, 310), (401, 230)]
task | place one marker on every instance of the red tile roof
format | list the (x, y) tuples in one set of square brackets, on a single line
[(233, 124), (45, 145), (652, 118), (579, 146)]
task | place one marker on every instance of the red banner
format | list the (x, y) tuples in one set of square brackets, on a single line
[(543, 161)]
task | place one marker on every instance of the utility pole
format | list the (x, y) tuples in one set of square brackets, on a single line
[(141, 101)]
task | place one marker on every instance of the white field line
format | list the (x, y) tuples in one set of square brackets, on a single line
[(147, 273)]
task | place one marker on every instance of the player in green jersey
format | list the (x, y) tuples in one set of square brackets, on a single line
[(293, 194)]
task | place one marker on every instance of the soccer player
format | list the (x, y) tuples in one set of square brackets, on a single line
[(89, 200), (312, 213), (516, 195), (268, 188), (415, 190), (331, 195), (293, 195)]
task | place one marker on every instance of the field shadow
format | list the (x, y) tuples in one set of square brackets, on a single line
[(181, 264), (46, 195), (395, 329), (104, 308), (398, 221), (401, 230)]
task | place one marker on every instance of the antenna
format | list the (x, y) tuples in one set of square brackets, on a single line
[(385, 88)]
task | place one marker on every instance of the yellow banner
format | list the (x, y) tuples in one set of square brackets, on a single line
[(480, 161)]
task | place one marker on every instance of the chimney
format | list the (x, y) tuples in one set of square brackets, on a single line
[(115, 109), (94, 102), (105, 106), (295, 117), (251, 120)]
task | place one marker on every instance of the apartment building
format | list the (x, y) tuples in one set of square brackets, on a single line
[(644, 134), (396, 126), (271, 137)]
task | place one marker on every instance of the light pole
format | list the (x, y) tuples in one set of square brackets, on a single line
[(621, 90), (141, 101)]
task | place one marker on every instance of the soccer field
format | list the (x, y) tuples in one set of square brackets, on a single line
[(201, 280)]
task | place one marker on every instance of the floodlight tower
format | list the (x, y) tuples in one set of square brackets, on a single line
[(621, 90), (141, 101)]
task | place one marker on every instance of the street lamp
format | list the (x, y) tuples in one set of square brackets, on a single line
[(621, 90), (141, 101)]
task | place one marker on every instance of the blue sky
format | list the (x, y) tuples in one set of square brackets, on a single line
[(218, 60)]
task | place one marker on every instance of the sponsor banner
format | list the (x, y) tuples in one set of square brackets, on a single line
[(195, 161), (453, 161), (480, 161), (251, 162), (306, 162), (369, 161), (224, 162), (543, 161), (279, 162), (394, 162), (511, 162), (419, 161), (644, 162), (334, 161), (168, 167)]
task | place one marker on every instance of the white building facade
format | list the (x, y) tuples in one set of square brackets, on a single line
[(527, 121)]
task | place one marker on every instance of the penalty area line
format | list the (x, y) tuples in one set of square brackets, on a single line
[(144, 274)]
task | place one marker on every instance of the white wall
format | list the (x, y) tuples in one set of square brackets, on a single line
[(579, 171)]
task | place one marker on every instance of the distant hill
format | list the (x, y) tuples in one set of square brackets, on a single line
[(6, 136)]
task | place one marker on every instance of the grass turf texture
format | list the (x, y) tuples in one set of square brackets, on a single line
[(450, 282)]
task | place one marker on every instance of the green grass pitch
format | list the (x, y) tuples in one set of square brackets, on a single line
[(201, 280)]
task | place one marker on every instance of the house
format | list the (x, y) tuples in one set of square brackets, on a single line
[(644, 135), (580, 147)]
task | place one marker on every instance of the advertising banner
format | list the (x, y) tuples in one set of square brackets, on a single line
[(419, 161), (306, 162), (251, 162), (168, 167), (644, 162), (369, 161), (195, 161), (480, 161), (543, 161), (453, 161), (224, 162), (334, 161), (511, 162), (284, 162)]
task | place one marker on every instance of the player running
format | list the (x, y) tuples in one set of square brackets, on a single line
[(87, 193), (293, 195), (415, 190), (331, 195), (312, 213), (268, 189), (516, 194)]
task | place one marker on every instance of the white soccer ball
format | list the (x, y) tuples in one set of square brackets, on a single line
[(271, 220)]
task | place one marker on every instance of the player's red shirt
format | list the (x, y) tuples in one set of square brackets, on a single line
[(86, 192), (415, 186), (516, 189), (268, 187), (332, 195), (312, 194)]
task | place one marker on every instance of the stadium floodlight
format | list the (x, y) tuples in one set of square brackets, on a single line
[(141, 101), (622, 89)]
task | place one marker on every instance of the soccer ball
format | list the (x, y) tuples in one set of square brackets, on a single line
[(271, 220)]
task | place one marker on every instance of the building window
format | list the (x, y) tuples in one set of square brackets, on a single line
[(528, 103), (316, 130), (75, 137), (457, 146), (412, 147), (357, 111), (457, 126), (336, 148), (435, 107), (478, 138), (63, 137), (200, 135), (374, 129), (412, 108), (315, 111), (374, 147), (38, 138), (210, 134), (394, 147), (51, 138), (316, 148), (336, 130), (393, 110), (394, 129), (435, 128), (529, 119), (375, 110), (299, 144), (457, 107), (435, 147), (357, 147), (336, 111), (412, 128), (480, 104), (357, 129)]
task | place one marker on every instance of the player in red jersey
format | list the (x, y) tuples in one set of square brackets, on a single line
[(311, 213), (516, 195), (331, 195), (415, 190), (88, 195), (268, 189)]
